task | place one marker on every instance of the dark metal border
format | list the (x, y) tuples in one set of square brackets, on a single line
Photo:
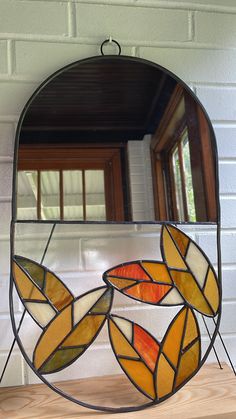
[(14, 221)]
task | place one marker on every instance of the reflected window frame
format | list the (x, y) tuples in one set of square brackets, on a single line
[(183, 114), (83, 157)]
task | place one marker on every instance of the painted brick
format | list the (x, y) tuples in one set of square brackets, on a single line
[(105, 253), (3, 55), (33, 248), (40, 59), (132, 23), (7, 133), (215, 28), (220, 102), (14, 375), (14, 97), (200, 65), (226, 141), (6, 333), (229, 342), (229, 283), (4, 292), (228, 212), (37, 17), (227, 181), (228, 245), (207, 2), (6, 174), (5, 218)]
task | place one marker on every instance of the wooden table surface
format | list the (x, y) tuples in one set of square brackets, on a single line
[(210, 394)]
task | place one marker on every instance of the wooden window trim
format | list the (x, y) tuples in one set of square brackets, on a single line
[(174, 121), (80, 157)]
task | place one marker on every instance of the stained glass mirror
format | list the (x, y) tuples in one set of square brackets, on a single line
[(105, 145)]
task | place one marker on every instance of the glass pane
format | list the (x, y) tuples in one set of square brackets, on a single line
[(188, 178), (27, 195), (50, 195), (178, 185), (95, 195), (73, 194)]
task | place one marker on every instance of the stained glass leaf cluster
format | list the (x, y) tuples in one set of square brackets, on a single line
[(72, 331), (157, 369), (70, 325)]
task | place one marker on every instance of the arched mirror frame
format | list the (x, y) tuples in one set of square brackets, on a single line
[(15, 221)]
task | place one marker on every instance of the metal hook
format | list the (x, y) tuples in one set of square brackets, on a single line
[(110, 41)]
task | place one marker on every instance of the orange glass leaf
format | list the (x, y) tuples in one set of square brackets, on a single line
[(132, 270), (36, 284), (146, 281), (146, 346), (148, 293), (136, 351), (180, 353), (72, 331), (197, 281)]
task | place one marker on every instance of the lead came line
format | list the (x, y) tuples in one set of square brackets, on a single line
[(24, 312)]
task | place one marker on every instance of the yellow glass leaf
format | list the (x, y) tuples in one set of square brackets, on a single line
[(188, 287), (53, 336), (64, 333), (211, 291), (85, 331), (56, 291), (180, 239), (158, 271), (27, 289), (165, 377), (172, 255), (120, 283), (188, 363), (172, 340), (120, 343), (191, 331), (140, 375)]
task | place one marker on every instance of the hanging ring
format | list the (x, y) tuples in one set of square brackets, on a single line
[(109, 41)]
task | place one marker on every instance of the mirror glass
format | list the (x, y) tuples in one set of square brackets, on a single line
[(116, 138)]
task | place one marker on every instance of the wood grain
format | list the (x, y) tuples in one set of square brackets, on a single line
[(211, 394)]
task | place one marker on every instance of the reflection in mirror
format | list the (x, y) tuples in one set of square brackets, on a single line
[(116, 139)]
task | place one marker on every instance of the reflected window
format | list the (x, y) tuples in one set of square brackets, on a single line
[(78, 187), (182, 180)]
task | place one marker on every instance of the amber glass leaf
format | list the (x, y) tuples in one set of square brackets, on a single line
[(72, 331), (180, 353), (52, 286), (36, 285), (136, 351), (146, 281), (191, 271)]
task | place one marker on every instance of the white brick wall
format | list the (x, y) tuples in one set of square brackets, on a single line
[(196, 40)]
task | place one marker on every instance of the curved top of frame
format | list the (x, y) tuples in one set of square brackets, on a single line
[(114, 60)]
